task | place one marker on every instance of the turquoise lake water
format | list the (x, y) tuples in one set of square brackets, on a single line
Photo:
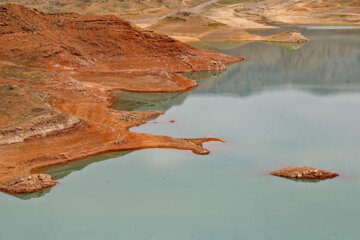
[(286, 105)]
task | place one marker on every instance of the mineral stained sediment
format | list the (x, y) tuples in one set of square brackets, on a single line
[(57, 74)]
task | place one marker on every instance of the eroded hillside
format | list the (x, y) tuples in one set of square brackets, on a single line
[(128, 8), (63, 68), (261, 13)]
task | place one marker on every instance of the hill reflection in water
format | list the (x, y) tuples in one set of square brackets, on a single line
[(323, 66), (278, 108), (328, 64)]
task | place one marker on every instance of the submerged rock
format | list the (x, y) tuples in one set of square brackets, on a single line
[(304, 173)]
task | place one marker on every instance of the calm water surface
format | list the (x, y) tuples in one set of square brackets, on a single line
[(286, 105)]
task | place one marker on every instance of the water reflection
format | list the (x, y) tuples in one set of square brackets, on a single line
[(319, 67), (305, 180), (222, 46), (131, 101), (288, 46), (62, 171), (170, 194), (328, 64), (29, 196)]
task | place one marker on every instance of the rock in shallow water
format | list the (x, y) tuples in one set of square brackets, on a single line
[(304, 173), (29, 184)]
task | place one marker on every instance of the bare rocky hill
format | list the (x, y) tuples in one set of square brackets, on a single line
[(128, 8)]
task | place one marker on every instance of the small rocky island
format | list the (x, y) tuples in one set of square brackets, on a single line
[(306, 173)]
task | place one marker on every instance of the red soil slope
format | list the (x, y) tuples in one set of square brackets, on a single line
[(76, 61)]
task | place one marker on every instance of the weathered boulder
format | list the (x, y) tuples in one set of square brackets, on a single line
[(304, 173)]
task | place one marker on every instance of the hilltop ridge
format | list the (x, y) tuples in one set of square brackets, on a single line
[(123, 8), (76, 41)]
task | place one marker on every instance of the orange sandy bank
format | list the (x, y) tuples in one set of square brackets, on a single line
[(57, 74)]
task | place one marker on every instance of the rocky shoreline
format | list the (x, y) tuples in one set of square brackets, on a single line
[(63, 69)]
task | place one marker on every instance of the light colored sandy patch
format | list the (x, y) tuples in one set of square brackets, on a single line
[(228, 16), (233, 34), (187, 24), (308, 12), (185, 38)]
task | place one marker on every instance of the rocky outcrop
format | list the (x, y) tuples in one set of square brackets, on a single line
[(304, 173), (286, 37), (28, 184)]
